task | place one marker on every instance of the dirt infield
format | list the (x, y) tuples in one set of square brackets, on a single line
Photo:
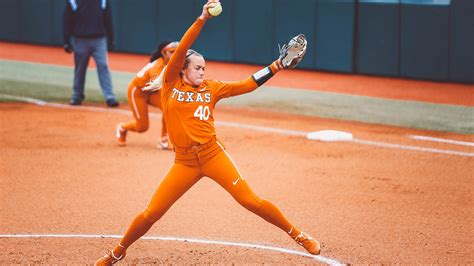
[(63, 174), (384, 199)]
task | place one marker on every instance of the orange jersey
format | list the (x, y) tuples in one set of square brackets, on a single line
[(149, 72), (188, 110)]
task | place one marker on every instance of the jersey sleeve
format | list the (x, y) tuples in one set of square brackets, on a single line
[(225, 89), (177, 59), (230, 89)]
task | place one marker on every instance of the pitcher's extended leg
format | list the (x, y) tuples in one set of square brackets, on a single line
[(178, 180), (222, 170)]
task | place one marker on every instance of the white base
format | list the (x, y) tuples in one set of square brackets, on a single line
[(329, 135)]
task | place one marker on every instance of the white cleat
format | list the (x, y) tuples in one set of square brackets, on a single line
[(164, 143), (120, 135)]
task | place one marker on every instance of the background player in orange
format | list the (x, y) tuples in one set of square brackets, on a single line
[(139, 98), (188, 103)]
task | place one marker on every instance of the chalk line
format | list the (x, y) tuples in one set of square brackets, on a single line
[(245, 126), (320, 258), (450, 141)]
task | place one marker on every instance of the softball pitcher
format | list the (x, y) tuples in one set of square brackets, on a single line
[(188, 102), (139, 98)]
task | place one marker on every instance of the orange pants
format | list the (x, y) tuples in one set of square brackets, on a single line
[(190, 166), (139, 101)]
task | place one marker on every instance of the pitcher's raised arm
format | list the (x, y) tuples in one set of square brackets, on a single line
[(177, 60)]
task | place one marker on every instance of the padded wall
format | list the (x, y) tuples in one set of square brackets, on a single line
[(378, 38), (253, 34), (36, 21), (424, 44), (10, 17), (335, 35), (216, 41), (137, 25), (304, 22), (57, 9), (462, 41)]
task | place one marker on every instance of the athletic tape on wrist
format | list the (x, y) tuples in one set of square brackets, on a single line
[(262, 76)]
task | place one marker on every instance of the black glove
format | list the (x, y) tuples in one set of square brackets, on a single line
[(68, 48), (110, 45)]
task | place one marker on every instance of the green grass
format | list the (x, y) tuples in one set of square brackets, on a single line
[(54, 83), (42, 91), (412, 114)]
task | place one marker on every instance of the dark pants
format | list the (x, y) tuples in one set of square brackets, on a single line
[(84, 48)]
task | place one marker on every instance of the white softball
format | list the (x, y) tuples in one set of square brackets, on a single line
[(216, 10)]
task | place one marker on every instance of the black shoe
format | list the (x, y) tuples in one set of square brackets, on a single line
[(112, 103), (75, 102)]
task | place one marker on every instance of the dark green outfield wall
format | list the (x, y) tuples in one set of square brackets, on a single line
[(378, 49), (394, 38), (424, 42), (461, 45)]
